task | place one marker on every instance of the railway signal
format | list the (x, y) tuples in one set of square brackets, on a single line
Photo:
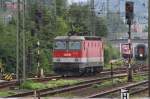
[(129, 7), (129, 10)]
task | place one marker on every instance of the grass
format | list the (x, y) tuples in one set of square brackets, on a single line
[(5, 93), (116, 81), (110, 83), (61, 82), (32, 85), (116, 64), (139, 77)]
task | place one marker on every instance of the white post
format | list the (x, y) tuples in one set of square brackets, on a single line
[(35, 94), (124, 94)]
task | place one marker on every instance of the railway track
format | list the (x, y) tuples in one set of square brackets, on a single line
[(50, 91), (14, 83), (7, 84), (130, 87)]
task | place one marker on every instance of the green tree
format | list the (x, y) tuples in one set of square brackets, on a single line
[(110, 53), (8, 46), (79, 18), (61, 6), (101, 27), (44, 30)]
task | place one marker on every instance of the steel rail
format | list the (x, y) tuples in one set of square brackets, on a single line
[(50, 91), (117, 89)]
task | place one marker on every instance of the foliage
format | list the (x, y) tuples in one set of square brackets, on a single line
[(101, 27), (32, 85), (116, 64), (116, 81), (49, 27), (51, 84), (80, 21), (61, 82), (7, 43), (139, 77), (61, 7), (45, 29), (5, 93), (110, 53), (79, 17)]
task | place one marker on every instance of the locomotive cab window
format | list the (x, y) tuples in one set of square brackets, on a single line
[(60, 45), (74, 45)]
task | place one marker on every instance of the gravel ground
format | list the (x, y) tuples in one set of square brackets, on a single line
[(141, 95), (83, 92)]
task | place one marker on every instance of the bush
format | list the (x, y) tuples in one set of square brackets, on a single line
[(51, 84), (110, 53), (32, 85), (61, 82)]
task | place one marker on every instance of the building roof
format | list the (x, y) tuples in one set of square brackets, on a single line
[(78, 38)]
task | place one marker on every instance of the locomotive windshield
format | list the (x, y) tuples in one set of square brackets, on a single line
[(60, 45), (74, 45), (70, 45)]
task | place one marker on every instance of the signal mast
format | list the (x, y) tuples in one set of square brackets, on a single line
[(129, 8)]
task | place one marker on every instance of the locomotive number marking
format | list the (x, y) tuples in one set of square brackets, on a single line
[(67, 54)]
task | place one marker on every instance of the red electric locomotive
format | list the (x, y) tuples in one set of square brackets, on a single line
[(76, 55)]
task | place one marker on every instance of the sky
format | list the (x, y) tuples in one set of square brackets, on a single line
[(70, 1)]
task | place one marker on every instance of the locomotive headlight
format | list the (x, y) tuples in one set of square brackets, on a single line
[(141, 55)]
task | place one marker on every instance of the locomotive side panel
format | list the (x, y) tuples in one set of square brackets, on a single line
[(92, 52)]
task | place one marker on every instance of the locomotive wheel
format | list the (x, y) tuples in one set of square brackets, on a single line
[(93, 71), (63, 76)]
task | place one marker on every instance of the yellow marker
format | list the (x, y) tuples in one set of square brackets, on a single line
[(8, 77)]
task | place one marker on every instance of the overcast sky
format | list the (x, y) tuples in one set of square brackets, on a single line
[(70, 1)]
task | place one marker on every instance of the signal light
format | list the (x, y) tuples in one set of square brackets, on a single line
[(129, 10)]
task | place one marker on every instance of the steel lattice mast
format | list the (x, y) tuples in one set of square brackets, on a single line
[(20, 48), (17, 37)]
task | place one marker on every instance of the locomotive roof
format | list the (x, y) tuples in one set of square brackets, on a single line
[(78, 38)]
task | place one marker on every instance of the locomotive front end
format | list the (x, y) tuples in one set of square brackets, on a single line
[(141, 52), (67, 56)]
